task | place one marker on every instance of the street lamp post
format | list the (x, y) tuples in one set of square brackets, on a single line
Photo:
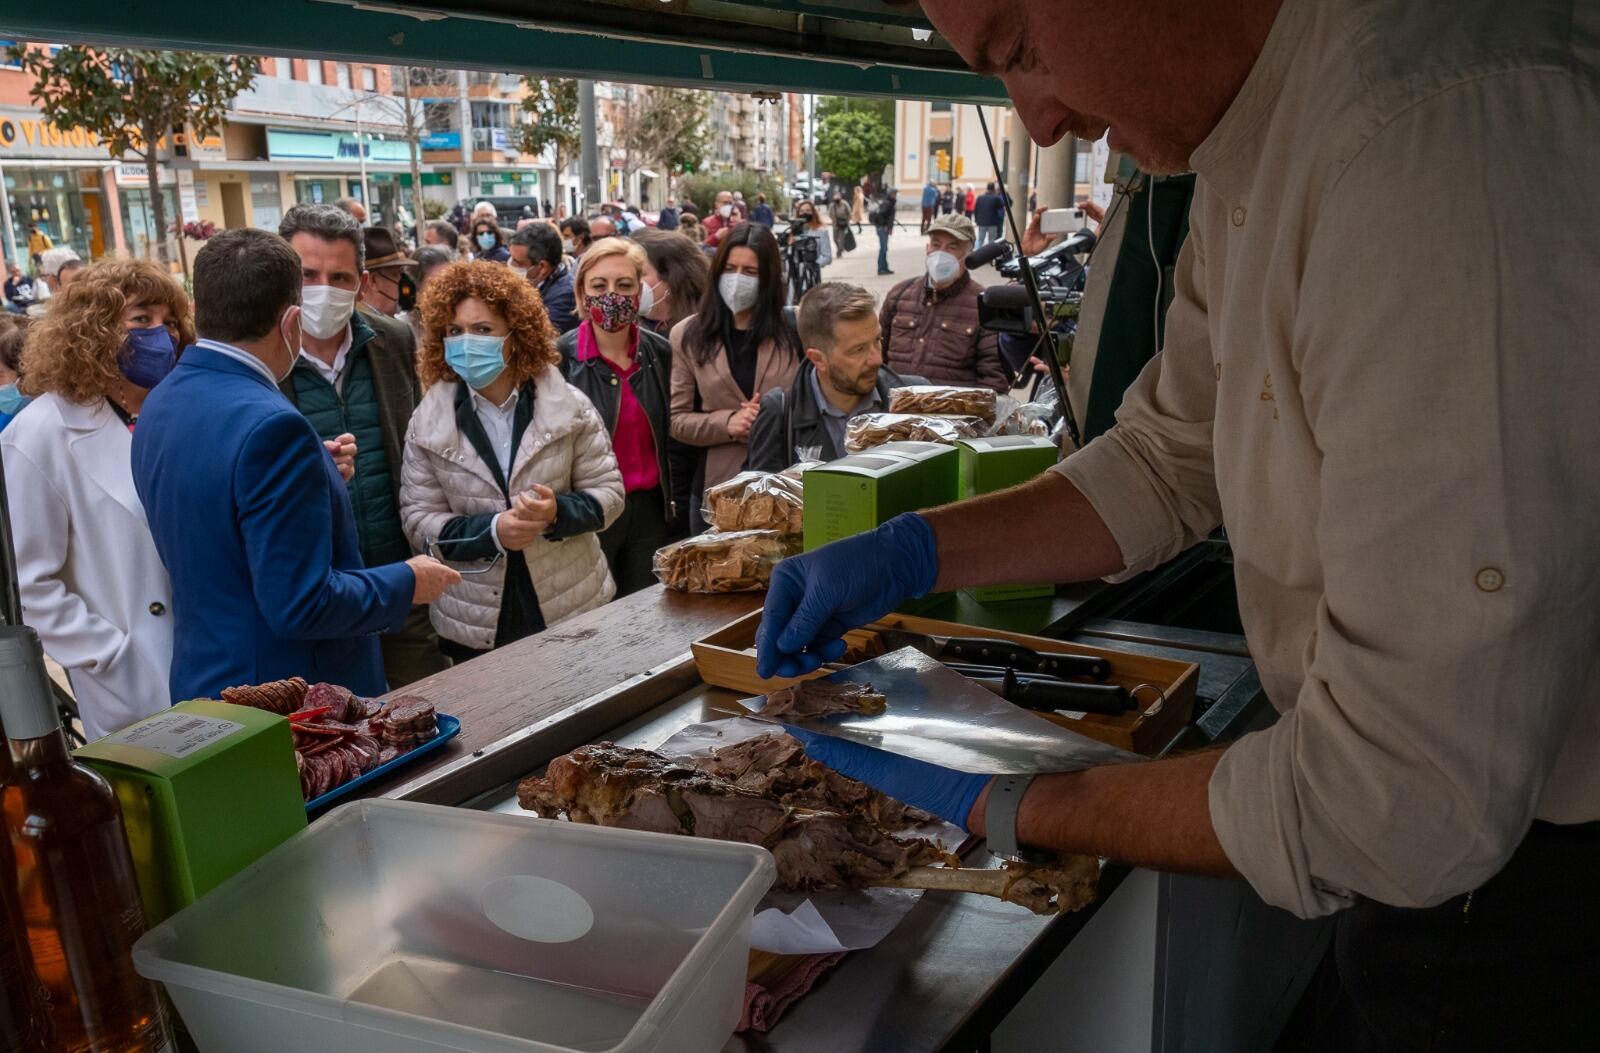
[(361, 151)]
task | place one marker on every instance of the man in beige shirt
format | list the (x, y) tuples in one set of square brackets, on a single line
[(1379, 374)]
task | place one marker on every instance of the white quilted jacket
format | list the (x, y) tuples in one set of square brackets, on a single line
[(566, 448)]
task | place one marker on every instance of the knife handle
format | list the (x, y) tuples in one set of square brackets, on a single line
[(1069, 665), (980, 651), (1043, 695)]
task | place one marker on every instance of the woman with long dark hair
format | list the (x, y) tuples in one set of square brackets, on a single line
[(739, 345)]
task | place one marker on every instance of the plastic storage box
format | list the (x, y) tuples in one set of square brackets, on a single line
[(408, 927)]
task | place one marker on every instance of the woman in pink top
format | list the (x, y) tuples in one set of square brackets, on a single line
[(626, 371)]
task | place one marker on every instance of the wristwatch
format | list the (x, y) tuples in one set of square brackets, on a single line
[(1000, 820)]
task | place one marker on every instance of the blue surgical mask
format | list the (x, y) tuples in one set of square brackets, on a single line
[(148, 355), (12, 400), (486, 241), (478, 360)]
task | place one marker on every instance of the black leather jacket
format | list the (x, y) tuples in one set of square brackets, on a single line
[(651, 384)]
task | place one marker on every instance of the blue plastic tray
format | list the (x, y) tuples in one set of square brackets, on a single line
[(449, 728)]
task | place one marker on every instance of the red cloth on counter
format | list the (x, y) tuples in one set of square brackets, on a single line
[(764, 1005)]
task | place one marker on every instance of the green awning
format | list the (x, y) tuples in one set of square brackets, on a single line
[(835, 47)]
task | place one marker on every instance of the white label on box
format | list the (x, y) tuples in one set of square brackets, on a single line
[(175, 734)]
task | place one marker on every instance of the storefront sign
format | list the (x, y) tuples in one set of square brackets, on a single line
[(286, 145), (440, 141), (139, 176), (24, 133), (186, 196)]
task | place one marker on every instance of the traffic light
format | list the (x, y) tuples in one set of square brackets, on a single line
[(960, 166), (941, 161)]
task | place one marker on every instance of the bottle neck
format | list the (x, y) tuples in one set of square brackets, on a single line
[(44, 755)]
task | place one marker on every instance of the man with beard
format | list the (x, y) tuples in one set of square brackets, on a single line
[(843, 376), (1402, 455)]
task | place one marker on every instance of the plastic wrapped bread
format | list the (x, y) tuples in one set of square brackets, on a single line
[(756, 501), (944, 399), (741, 561), (875, 429)]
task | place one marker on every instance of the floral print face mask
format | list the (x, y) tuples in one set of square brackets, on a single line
[(613, 311)]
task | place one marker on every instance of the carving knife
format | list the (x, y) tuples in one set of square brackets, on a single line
[(981, 651)]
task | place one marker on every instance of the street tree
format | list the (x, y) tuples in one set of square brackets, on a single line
[(135, 101), (669, 129), (552, 105), (883, 109), (852, 144)]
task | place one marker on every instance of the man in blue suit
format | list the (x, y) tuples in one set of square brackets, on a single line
[(247, 509)]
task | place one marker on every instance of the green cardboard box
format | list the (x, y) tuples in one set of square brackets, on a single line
[(856, 493), (942, 463), (206, 788), (994, 463)]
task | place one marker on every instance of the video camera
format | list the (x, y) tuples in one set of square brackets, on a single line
[(1008, 308), (798, 248)]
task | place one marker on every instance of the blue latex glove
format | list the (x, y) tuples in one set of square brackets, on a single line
[(946, 793), (814, 599)]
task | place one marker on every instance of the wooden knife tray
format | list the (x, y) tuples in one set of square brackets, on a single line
[(727, 659)]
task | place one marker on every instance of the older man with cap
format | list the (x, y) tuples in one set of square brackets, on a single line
[(1403, 457), (389, 288), (930, 322), (355, 381)]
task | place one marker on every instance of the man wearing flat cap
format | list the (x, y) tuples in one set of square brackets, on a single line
[(355, 380), (930, 321)]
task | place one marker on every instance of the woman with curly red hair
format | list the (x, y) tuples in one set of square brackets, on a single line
[(92, 584), (506, 464)]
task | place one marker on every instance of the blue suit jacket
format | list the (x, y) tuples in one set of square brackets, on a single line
[(256, 529)]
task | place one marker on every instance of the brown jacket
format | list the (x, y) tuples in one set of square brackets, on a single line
[(935, 334), (720, 399)]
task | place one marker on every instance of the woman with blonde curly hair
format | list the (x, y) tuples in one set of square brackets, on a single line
[(92, 584), (506, 465)]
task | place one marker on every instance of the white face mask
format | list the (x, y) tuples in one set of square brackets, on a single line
[(739, 291), (325, 310), (647, 299), (567, 246), (943, 268), (725, 211), (520, 272)]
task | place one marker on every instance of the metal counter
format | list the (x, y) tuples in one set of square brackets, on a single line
[(957, 964)]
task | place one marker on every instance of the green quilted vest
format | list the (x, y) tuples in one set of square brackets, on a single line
[(372, 489)]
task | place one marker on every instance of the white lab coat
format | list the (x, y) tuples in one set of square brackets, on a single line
[(92, 584)]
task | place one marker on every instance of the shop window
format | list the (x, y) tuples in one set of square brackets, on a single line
[(938, 107), (6, 61), (369, 78), (341, 74)]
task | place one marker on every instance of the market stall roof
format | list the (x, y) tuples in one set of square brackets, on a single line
[(836, 47)]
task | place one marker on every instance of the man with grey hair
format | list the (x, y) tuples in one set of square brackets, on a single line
[(355, 381), (58, 267), (1403, 456), (843, 375)]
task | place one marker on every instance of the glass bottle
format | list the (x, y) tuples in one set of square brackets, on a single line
[(80, 899), (23, 1023)]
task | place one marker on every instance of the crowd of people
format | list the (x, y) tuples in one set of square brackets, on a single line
[(353, 460)]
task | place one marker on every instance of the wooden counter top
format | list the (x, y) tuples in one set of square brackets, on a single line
[(517, 686)]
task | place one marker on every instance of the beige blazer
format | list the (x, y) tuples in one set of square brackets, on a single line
[(720, 399)]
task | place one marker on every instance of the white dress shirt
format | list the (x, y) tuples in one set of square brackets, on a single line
[(498, 424), (239, 356), (332, 372)]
